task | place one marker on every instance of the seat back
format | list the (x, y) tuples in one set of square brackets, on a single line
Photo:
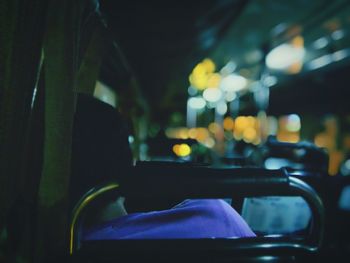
[(201, 182), (298, 156), (100, 147)]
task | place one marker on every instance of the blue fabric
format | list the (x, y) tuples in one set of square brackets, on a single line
[(200, 218)]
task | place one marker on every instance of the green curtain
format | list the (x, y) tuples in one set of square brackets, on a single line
[(42, 48), (21, 34), (8, 19), (35, 143), (61, 48)]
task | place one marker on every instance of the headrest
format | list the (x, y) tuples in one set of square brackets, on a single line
[(100, 147)]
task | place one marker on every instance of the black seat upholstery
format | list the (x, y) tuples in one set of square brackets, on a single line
[(100, 148)]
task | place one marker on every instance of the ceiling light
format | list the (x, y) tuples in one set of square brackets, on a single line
[(320, 43), (338, 34), (221, 108), (293, 123), (196, 103), (233, 83), (230, 96), (283, 56), (269, 81), (320, 62), (341, 54), (212, 94), (228, 68), (329, 58)]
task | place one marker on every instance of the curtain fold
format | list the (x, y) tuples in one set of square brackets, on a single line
[(61, 45), (62, 42), (21, 34)]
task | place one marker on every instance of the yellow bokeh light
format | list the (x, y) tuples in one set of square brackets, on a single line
[(202, 134), (321, 140), (294, 138), (257, 141), (199, 69), (203, 75), (251, 121), (184, 150), (209, 65), (199, 81), (213, 127), (249, 134), (183, 133), (257, 125), (241, 123), (192, 133), (228, 123)]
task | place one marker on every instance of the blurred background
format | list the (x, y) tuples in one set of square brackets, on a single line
[(217, 78), (221, 83)]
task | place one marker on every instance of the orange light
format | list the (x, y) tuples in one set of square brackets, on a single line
[(298, 41), (214, 80), (288, 137), (183, 133), (192, 133), (335, 159), (241, 123), (176, 149), (202, 134), (228, 123), (249, 134), (295, 68)]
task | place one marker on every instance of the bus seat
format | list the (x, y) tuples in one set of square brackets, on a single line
[(184, 181), (296, 156)]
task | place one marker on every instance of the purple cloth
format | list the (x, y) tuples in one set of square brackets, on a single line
[(200, 218)]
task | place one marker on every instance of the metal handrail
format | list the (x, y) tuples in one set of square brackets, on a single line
[(82, 203), (302, 189), (295, 187)]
